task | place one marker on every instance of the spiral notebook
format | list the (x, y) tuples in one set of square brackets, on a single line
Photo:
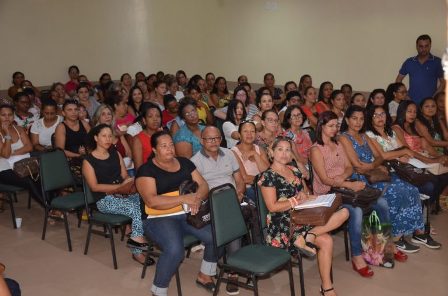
[(325, 200)]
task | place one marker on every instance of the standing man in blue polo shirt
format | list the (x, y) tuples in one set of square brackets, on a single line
[(425, 72)]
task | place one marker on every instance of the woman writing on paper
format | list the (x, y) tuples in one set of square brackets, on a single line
[(283, 189)]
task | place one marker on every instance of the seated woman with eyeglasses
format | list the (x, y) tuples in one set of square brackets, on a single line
[(104, 171), (158, 182), (406, 214), (364, 157), (283, 188), (187, 139)]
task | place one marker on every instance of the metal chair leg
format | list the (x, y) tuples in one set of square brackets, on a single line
[(347, 252), (145, 265), (255, 280), (15, 197), (291, 279), (44, 230), (301, 276), (123, 230), (112, 246), (179, 287), (89, 232), (79, 215), (67, 231), (218, 282), (13, 213)]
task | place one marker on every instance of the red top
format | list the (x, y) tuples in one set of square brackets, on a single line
[(321, 107), (145, 140), (70, 86), (120, 148), (166, 117)]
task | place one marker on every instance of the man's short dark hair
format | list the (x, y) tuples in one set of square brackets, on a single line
[(423, 37)]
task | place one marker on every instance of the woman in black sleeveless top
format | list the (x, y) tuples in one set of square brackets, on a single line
[(104, 171)]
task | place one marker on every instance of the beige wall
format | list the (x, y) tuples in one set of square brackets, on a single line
[(358, 41)]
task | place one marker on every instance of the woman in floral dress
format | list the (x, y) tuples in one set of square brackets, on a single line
[(283, 189)]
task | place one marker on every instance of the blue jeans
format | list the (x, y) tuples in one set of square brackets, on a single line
[(168, 233), (355, 222)]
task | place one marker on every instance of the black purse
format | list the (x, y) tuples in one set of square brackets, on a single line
[(202, 217), (362, 199), (408, 172)]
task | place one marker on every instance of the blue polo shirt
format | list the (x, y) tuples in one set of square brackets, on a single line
[(422, 77)]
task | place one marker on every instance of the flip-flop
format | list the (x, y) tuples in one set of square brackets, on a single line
[(210, 286)]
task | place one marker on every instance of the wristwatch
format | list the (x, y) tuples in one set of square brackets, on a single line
[(7, 137)]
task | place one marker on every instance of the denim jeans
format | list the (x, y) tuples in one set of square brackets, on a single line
[(355, 222), (168, 233)]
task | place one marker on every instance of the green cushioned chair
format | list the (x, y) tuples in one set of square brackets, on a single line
[(256, 260), (55, 176), (189, 242), (107, 221), (10, 193), (262, 213)]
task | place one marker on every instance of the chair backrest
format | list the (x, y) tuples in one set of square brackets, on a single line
[(226, 217), (54, 171), (261, 205)]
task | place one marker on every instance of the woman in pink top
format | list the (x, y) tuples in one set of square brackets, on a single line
[(251, 158), (123, 118), (292, 123)]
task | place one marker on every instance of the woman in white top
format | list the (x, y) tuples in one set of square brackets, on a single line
[(14, 146), (43, 129), (251, 158), (235, 114)]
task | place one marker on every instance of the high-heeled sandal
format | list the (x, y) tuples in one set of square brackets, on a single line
[(364, 272), (323, 291), (307, 252)]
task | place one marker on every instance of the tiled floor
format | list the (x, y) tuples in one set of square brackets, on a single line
[(47, 268)]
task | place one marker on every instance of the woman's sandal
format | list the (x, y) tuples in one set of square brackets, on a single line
[(323, 291), (306, 250)]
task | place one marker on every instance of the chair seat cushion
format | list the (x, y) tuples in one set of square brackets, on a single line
[(10, 188), (259, 259), (112, 219), (69, 202)]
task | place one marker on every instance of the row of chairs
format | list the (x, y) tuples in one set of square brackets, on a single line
[(227, 224)]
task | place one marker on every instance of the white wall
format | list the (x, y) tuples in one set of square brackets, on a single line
[(357, 41)]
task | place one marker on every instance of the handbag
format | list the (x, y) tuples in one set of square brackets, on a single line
[(126, 189), (408, 172), (28, 167), (315, 216), (202, 217), (377, 175), (362, 199)]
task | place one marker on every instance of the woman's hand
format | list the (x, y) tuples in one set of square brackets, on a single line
[(409, 153), (5, 128), (82, 150), (357, 186), (193, 201), (383, 169), (404, 159)]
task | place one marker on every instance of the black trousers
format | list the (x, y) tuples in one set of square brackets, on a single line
[(8, 177)]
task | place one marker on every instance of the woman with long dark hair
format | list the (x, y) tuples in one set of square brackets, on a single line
[(325, 90), (409, 220), (429, 126), (236, 112), (104, 171)]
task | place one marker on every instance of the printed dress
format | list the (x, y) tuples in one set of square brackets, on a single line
[(403, 198), (278, 230)]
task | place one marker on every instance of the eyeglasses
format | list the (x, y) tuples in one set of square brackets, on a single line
[(191, 113), (298, 116), (382, 114), (212, 140)]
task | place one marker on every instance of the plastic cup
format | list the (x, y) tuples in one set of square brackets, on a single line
[(186, 208), (19, 222)]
